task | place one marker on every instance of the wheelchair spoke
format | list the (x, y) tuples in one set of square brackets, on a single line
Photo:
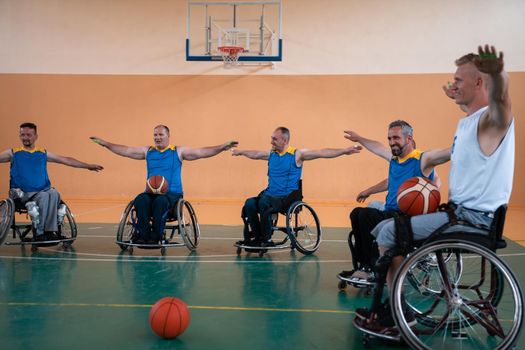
[(468, 300), (303, 227)]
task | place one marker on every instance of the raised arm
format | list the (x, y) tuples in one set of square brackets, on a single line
[(305, 154), (55, 158), (257, 155), (5, 156), (187, 153), (433, 158), (379, 187), (121, 150), (373, 146), (500, 114)]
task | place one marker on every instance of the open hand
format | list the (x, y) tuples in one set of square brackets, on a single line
[(352, 136), (95, 167), (230, 145), (489, 62)]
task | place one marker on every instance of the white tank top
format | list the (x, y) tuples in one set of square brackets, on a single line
[(477, 181)]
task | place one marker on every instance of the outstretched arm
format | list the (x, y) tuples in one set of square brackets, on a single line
[(500, 114), (257, 155), (433, 158), (55, 158), (121, 150), (305, 154), (187, 153), (5, 156), (373, 146), (379, 187)]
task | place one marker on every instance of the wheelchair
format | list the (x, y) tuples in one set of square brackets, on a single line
[(180, 219), (461, 293), (25, 232), (302, 230)]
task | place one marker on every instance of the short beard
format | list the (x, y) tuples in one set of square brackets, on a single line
[(397, 152)]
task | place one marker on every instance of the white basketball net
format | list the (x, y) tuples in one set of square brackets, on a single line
[(230, 55)]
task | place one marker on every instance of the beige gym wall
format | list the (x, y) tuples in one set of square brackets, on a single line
[(115, 69)]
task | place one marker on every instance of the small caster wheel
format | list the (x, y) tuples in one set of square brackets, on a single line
[(341, 285), (34, 248), (163, 251), (261, 253), (130, 250), (239, 250)]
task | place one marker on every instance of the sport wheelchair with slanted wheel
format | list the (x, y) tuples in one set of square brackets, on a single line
[(180, 219), (302, 230), (25, 231), (462, 294)]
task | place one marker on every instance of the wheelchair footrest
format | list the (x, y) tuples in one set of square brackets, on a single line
[(41, 243), (356, 283), (250, 248), (150, 245), (389, 334)]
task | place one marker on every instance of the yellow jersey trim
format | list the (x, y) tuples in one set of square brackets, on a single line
[(22, 149), (290, 150), (414, 154), (171, 147)]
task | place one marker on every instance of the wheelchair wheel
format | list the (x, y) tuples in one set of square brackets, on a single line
[(68, 228), (7, 211), (125, 227), (304, 229), (478, 306), (188, 225)]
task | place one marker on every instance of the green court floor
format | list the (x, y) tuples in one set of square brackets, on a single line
[(95, 297)]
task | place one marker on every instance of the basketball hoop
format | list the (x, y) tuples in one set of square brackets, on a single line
[(230, 55)]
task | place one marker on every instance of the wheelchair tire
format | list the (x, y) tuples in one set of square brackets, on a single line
[(481, 308), (125, 227), (7, 212), (188, 225), (304, 229), (68, 228)]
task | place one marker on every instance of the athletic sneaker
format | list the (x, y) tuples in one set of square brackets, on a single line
[(363, 275), (266, 244), (248, 242), (346, 273), (384, 317)]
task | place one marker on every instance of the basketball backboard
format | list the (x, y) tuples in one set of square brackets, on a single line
[(253, 25)]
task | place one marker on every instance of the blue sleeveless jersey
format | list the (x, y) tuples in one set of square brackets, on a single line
[(166, 163), (29, 170), (283, 173), (399, 171)]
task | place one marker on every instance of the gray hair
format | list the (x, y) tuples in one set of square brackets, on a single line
[(405, 127)]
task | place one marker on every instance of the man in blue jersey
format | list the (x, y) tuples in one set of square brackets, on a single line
[(405, 161), (29, 174), (166, 160), (285, 166), (482, 151)]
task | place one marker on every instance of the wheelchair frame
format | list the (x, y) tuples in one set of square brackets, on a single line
[(22, 230), (128, 221), (470, 306), (293, 230)]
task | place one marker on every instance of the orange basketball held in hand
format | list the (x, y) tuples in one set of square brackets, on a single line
[(157, 185), (417, 196), (169, 317)]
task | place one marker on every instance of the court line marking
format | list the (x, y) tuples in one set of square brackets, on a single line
[(204, 238), (170, 261), (197, 307)]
